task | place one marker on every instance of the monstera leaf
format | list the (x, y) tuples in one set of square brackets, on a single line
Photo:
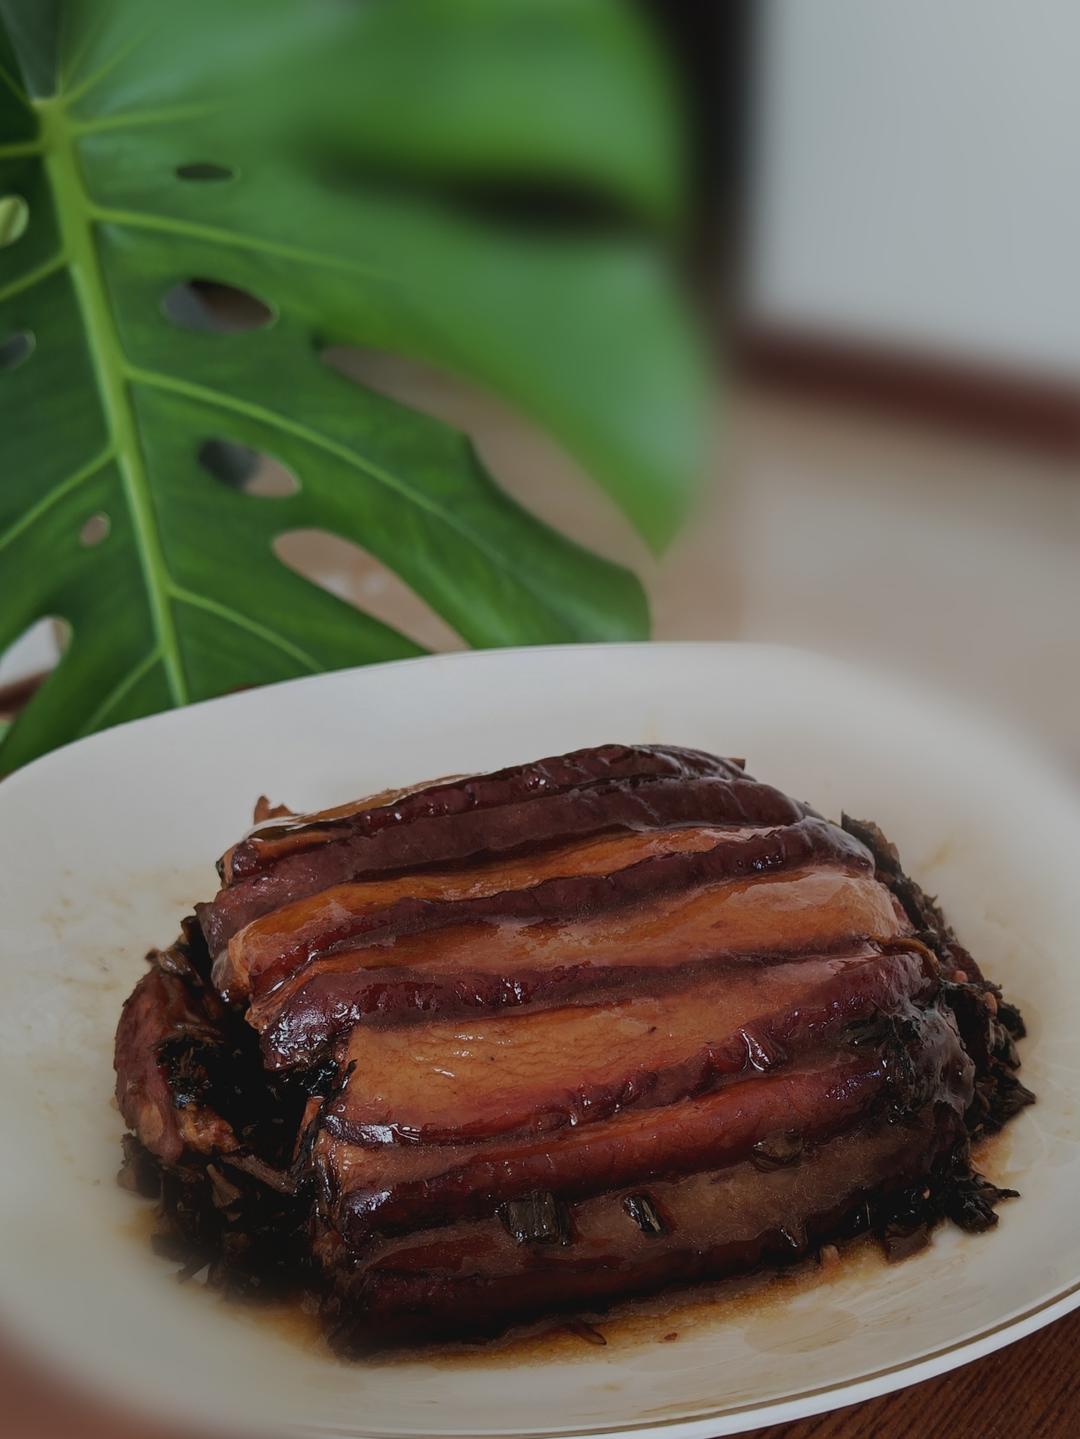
[(345, 167)]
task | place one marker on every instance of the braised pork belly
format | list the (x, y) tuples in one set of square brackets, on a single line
[(504, 1046)]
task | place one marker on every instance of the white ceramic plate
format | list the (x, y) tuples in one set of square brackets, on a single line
[(105, 844)]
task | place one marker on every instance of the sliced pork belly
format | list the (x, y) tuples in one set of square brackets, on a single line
[(673, 891), (611, 788), (268, 951), (500, 1045), (517, 965), (478, 1277), (386, 1187), (450, 1081), (737, 854), (468, 794)]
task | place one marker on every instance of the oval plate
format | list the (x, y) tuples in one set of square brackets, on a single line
[(104, 845)]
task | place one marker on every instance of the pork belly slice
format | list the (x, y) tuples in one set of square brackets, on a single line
[(289, 936), (736, 855), (448, 1082), (369, 1189), (164, 1022), (647, 802), (458, 795), (510, 965), (478, 1278)]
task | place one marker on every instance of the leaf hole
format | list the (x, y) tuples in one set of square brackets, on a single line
[(14, 218), (522, 458), (357, 577), (242, 468), (95, 530), (204, 170), (16, 348), (209, 305), (29, 658)]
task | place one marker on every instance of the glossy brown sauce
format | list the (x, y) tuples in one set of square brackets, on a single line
[(752, 1302)]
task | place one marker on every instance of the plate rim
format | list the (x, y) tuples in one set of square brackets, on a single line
[(1004, 729)]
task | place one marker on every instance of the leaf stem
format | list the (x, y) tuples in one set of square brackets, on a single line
[(106, 355)]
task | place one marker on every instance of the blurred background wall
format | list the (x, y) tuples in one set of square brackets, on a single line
[(913, 177), (909, 331), (883, 257)]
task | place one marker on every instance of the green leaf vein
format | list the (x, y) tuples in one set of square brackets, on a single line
[(257, 244), (32, 277), (245, 622), (217, 399), (31, 516), (15, 88), (119, 690), (84, 87)]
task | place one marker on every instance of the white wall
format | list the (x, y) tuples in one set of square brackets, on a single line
[(918, 174)]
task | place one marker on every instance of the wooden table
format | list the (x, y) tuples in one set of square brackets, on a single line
[(1029, 1391)]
